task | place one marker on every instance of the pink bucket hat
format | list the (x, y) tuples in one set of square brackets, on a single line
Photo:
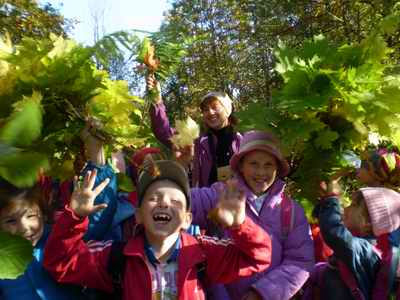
[(383, 207), (260, 140), (223, 98)]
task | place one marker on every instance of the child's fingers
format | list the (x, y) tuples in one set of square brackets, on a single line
[(341, 173), (92, 179), (151, 81), (221, 192), (232, 186), (86, 178), (242, 196), (99, 207), (323, 186), (101, 186), (76, 183)]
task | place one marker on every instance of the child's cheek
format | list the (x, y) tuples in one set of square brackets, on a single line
[(9, 229)]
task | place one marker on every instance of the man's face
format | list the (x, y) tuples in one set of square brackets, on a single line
[(163, 211)]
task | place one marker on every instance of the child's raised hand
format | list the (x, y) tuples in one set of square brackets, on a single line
[(94, 150), (82, 199), (330, 188), (184, 155), (231, 207)]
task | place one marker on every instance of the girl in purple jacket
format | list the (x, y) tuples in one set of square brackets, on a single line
[(211, 152), (259, 166)]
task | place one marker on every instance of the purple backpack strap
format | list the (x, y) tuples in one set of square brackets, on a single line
[(314, 284), (350, 281), (387, 275), (287, 216)]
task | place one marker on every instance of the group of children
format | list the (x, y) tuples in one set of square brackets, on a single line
[(263, 249)]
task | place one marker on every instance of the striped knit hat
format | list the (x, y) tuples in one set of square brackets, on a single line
[(384, 166), (383, 206)]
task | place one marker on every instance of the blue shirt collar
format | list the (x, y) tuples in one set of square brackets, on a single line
[(148, 250)]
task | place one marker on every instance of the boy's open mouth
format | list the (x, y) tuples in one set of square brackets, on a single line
[(162, 218)]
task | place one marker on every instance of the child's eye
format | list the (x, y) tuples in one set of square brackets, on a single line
[(32, 215), (176, 202), (10, 221)]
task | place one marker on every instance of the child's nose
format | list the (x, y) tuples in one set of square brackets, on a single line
[(261, 171), (23, 227), (163, 202)]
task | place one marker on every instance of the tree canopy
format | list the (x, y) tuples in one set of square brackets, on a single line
[(27, 18)]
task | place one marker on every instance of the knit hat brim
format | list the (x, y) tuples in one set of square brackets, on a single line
[(223, 98), (384, 209)]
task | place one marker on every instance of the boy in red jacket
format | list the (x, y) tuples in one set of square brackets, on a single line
[(161, 260)]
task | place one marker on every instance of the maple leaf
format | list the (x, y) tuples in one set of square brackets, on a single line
[(150, 59)]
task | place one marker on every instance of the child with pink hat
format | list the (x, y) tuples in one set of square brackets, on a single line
[(358, 269), (259, 169)]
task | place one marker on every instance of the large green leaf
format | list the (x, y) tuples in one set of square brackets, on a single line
[(15, 255), (21, 168), (257, 116), (25, 123)]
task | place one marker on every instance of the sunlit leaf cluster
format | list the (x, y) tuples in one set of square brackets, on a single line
[(333, 98), (60, 78)]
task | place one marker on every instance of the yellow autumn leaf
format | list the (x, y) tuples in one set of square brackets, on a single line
[(188, 130)]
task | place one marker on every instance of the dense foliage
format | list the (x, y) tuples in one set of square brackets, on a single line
[(332, 99), (62, 79), (26, 18), (323, 75), (234, 41)]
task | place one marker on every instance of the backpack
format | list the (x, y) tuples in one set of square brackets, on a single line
[(385, 281)]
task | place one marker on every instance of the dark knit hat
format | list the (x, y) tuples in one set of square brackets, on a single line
[(163, 170)]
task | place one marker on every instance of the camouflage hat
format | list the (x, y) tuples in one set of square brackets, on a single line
[(163, 170)]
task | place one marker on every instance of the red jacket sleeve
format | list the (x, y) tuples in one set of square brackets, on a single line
[(70, 260), (247, 253)]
